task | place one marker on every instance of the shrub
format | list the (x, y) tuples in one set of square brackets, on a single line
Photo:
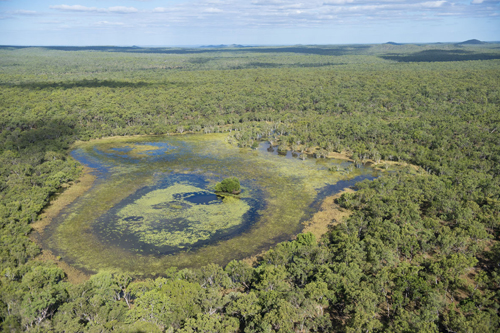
[(228, 185)]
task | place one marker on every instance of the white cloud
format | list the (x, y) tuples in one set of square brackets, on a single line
[(121, 9), (288, 13), (388, 5), (75, 8), (107, 23), (268, 2), (161, 10), (24, 12), (477, 1), (338, 2), (213, 10), (433, 4), (80, 8)]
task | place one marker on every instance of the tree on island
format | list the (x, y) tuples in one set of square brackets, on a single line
[(229, 185)]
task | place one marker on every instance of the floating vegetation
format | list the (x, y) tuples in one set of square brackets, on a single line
[(167, 217), (153, 206), (134, 150)]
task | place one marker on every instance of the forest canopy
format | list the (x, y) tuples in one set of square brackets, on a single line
[(419, 252)]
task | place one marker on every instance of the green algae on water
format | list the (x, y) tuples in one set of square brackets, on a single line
[(161, 219), (152, 209)]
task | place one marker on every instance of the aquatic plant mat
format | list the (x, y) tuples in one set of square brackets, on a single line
[(152, 205)]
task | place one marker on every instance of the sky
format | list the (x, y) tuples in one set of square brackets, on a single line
[(247, 22)]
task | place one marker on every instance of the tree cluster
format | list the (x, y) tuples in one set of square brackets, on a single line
[(228, 185)]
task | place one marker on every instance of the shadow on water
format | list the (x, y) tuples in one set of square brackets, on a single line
[(266, 147)]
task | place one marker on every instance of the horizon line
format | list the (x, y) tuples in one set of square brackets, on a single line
[(237, 45)]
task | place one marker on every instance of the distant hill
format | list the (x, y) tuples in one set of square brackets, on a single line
[(222, 46), (471, 42), (393, 43)]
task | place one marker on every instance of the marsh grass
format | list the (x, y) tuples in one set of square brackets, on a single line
[(330, 214), (73, 275), (69, 194), (284, 188)]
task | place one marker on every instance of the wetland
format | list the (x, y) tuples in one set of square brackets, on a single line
[(153, 206)]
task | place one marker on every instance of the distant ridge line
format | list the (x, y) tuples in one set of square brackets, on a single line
[(472, 42)]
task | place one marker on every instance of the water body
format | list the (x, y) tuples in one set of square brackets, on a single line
[(153, 206), (178, 213)]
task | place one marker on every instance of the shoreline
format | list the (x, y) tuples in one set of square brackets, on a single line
[(70, 192), (318, 224), (382, 165), (329, 214)]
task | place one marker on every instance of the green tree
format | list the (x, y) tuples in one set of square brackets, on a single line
[(228, 185)]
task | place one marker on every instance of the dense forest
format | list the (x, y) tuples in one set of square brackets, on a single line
[(419, 253)]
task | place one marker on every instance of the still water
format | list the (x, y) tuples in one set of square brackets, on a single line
[(152, 205)]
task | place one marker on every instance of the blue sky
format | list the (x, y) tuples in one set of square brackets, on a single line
[(263, 22)]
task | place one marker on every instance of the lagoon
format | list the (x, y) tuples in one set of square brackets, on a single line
[(152, 205)]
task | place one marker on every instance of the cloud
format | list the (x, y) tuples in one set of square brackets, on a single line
[(24, 12), (213, 10), (268, 2), (107, 23), (121, 9), (338, 2), (80, 8), (433, 4), (283, 13), (11, 14), (485, 2), (313, 12), (161, 10), (385, 5), (74, 8)]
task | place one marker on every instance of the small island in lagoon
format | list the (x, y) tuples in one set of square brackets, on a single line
[(228, 186)]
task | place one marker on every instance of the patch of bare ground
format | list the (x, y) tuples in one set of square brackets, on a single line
[(381, 165), (339, 156), (329, 214)]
